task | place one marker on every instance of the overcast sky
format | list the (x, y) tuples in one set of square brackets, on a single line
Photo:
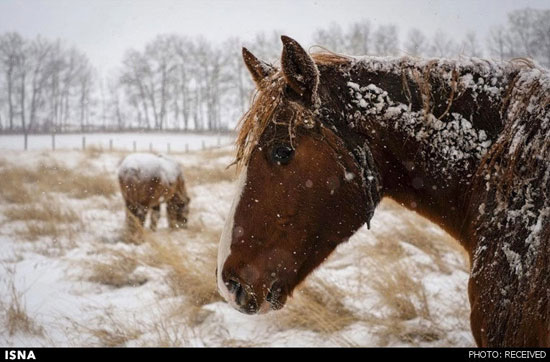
[(104, 29)]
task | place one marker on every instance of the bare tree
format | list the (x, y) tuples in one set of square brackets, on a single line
[(267, 46), (417, 43), (522, 32), (331, 38), (39, 53), (470, 46), (358, 38), (10, 49), (541, 37), (442, 45), (133, 77), (498, 43), (386, 40)]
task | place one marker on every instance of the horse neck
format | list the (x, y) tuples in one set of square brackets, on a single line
[(428, 126)]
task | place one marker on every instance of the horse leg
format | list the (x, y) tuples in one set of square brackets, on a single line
[(171, 211), (155, 216), (135, 215)]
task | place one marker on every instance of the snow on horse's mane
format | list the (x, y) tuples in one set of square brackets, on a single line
[(271, 92)]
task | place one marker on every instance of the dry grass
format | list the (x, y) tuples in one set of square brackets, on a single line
[(133, 232), (33, 231), (317, 307), (189, 275), (197, 175), (91, 185), (404, 297), (111, 331), (47, 211), (117, 271), (93, 151), (15, 184), (168, 332), (188, 258), (406, 316), (403, 313), (17, 320), (23, 185), (418, 231), (47, 219)]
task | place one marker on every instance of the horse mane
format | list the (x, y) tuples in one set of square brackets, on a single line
[(270, 93), (525, 139)]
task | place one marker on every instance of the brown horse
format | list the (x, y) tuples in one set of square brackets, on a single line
[(148, 180), (465, 143)]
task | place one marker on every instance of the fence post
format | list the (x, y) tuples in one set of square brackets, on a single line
[(219, 141), (53, 141), (150, 146), (203, 145), (134, 145), (25, 140), (168, 147), (83, 143), (111, 144), (186, 147)]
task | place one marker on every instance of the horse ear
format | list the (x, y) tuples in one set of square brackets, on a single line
[(257, 68), (299, 69)]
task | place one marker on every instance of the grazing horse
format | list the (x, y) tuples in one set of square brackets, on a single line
[(148, 180), (466, 143)]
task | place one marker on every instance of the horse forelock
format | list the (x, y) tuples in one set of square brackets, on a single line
[(265, 102)]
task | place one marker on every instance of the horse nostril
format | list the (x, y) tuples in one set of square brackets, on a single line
[(233, 286), (275, 295), (243, 296)]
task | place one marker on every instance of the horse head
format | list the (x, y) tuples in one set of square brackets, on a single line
[(302, 189)]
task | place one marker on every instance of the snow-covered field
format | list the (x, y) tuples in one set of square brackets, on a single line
[(159, 142), (68, 276)]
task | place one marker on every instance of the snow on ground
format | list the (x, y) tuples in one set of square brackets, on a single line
[(178, 142), (68, 278)]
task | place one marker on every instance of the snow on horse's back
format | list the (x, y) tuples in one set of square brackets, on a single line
[(146, 181)]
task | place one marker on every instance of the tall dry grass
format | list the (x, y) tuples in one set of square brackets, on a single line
[(24, 184), (15, 314), (115, 269), (107, 330), (190, 275), (188, 257), (46, 211), (199, 175), (397, 281), (47, 218), (317, 307)]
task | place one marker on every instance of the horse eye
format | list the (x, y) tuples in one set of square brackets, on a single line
[(282, 154)]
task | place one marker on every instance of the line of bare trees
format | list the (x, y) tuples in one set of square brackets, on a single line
[(44, 86), (182, 83), (525, 34), (179, 83)]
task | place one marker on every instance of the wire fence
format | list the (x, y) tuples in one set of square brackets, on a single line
[(116, 142)]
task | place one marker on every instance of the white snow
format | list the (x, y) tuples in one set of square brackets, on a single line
[(160, 142), (51, 276), (147, 166)]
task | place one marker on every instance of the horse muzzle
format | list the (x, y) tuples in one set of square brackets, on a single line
[(244, 299)]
